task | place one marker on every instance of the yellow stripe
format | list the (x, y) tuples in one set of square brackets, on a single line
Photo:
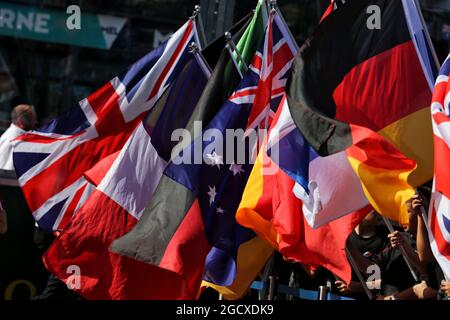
[(413, 136), (252, 257), (246, 214), (386, 190)]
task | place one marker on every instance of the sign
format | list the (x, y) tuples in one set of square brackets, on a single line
[(29, 22)]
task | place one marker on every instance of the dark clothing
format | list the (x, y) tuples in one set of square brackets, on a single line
[(395, 271), (373, 245)]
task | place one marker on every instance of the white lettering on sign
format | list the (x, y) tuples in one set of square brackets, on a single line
[(7, 18), (31, 21), (41, 23), (25, 20)]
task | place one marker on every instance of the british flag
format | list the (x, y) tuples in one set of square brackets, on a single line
[(439, 212), (50, 162), (270, 67)]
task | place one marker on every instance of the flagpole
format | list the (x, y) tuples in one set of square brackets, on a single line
[(195, 50), (230, 47), (427, 35), (402, 249), (358, 274), (196, 16), (274, 5)]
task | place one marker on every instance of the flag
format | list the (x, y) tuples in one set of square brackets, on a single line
[(374, 79), (370, 171), (439, 213), (119, 199), (50, 162), (215, 187), (310, 228), (269, 207), (136, 245)]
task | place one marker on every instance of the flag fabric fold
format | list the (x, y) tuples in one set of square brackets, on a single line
[(118, 202), (374, 79), (215, 185), (439, 213), (50, 162)]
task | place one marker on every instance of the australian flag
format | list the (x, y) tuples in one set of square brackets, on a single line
[(227, 148)]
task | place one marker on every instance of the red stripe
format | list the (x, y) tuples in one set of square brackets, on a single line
[(375, 151), (329, 10), (71, 208), (104, 102), (441, 167), (439, 118), (282, 57), (278, 91), (257, 62), (172, 60), (383, 89), (442, 244), (440, 90), (244, 93), (69, 168), (105, 275), (188, 248), (37, 138), (96, 174)]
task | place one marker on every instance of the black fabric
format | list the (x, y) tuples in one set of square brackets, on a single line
[(371, 246), (340, 42), (20, 257), (212, 52), (395, 271)]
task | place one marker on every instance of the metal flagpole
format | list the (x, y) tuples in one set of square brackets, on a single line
[(232, 47), (274, 5), (408, 262), (427, 35), (358, 274), (197, 17), (195, 50)]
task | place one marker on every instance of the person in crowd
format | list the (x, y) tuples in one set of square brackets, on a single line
[(365, 243), (23, 119), (445, 289), (431, 275)]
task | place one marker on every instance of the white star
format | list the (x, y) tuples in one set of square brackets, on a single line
[(214, 159), (220, 210), (236, 168), (212, 194)]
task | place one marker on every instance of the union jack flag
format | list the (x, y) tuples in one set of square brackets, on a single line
[(439, 213), (269, 68), (50, 163)]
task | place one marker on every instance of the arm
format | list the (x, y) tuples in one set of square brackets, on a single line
[(419, 292), (397, 239), (423, 245)]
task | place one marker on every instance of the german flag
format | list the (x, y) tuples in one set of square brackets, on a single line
[(350, 75)]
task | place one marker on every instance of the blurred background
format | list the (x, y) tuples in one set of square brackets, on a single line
[(44, 64)]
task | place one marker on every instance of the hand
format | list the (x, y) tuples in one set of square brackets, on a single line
[(396, 239), (414, 203), (445, 287), (342, 287)]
